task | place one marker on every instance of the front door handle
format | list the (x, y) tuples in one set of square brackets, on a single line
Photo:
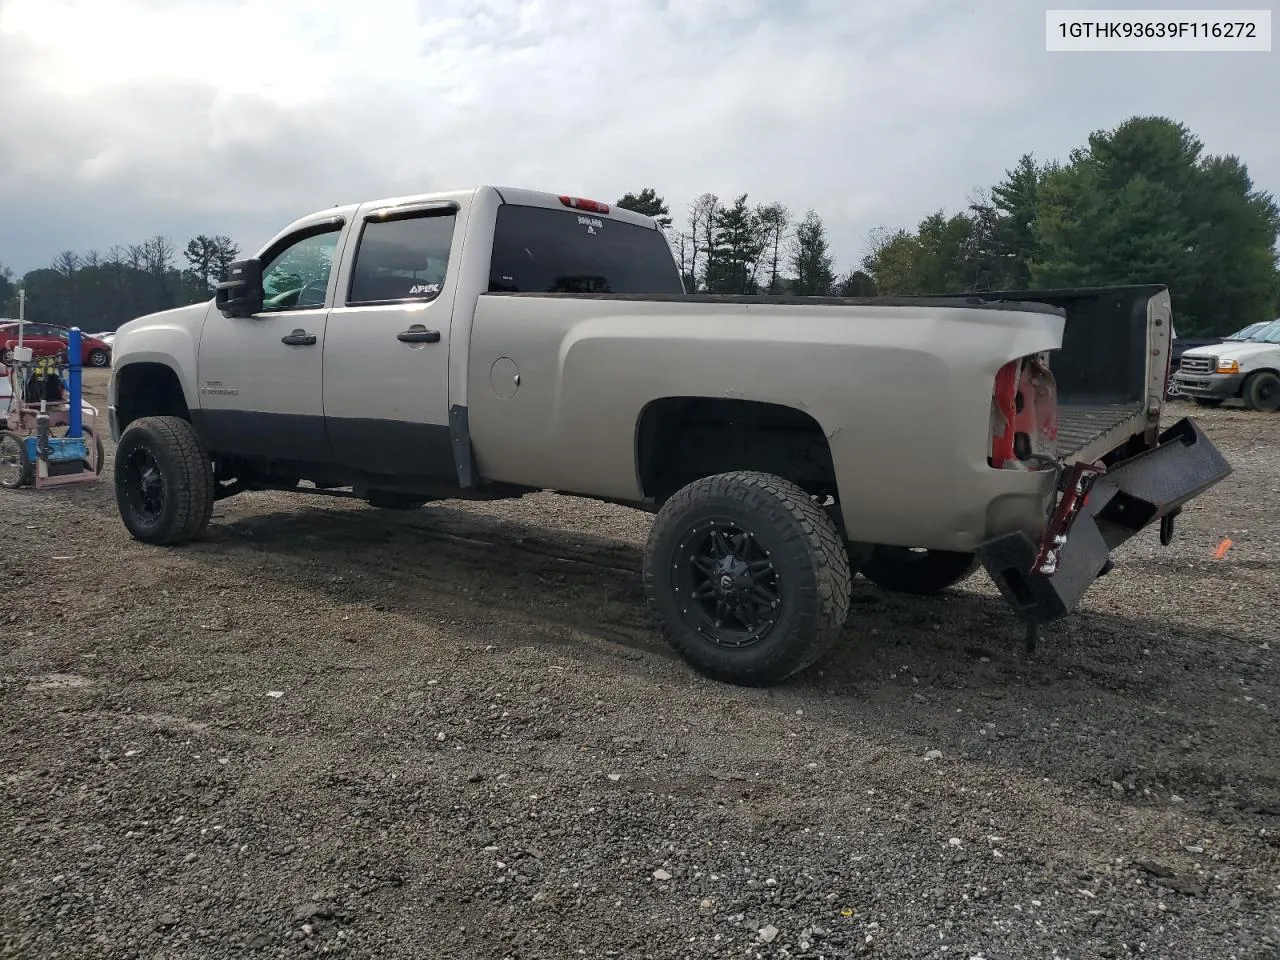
[(299, 338), (418, 334)]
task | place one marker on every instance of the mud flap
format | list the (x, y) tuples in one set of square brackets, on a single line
[(1148, 488)]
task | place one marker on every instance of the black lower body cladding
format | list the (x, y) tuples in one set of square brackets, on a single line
[(747, 577)]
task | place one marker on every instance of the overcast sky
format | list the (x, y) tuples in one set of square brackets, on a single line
[(120, 119)]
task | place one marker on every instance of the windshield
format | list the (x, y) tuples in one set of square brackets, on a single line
[(1270, 333), (537, 250), (1246, 332)]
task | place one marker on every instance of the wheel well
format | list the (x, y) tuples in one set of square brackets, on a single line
[(679, 439), (148, 390)]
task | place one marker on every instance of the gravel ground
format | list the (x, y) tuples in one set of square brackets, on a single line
[(452, 733)]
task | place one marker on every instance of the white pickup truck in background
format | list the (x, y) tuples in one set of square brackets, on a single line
[(491, 342), (1245, 367)]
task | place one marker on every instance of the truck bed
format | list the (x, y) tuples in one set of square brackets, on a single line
[(1109, 349), (1089, 431)]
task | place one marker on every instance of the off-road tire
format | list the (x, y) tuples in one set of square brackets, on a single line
[(918, 572), (185, 475), (26, 473), (391, 500), (1261, 392), (805, 551)]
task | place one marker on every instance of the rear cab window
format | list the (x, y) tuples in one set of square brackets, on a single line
[(402, 258), (544, 250)]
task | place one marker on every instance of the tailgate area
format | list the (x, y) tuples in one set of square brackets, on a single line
[(1089, 431), (1115, 343)]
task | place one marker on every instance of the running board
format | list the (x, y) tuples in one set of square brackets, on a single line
[(1151, 487)]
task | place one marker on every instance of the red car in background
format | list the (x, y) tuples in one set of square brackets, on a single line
[(49, 340)]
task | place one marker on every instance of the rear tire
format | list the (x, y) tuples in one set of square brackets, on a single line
[(1208, 401), (919, 572), (1261, 392), (747, 577), (164, 481), (390, 500)]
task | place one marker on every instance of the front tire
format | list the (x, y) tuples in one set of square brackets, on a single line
[(747, 577), (919, 572), (99, 357), (164, 481), (1261, 392)]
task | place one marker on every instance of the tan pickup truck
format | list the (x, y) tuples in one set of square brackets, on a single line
[(491, 342)]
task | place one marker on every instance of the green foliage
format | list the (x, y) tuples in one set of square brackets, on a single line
[(811, 259), (8, 293), (773, 222), (647, 203), (99, 292), (893, 262), (857, 283), (1010, 221), (733, 250), (1141, 204), (208, 259), (736, 246), (1137, 204)]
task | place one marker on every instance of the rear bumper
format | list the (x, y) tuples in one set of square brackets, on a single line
[(1217, 386), (1131, 496)]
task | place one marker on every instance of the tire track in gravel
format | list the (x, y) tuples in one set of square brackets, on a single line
[(479, 565)]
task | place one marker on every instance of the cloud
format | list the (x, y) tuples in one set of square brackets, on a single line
[(122, 120)]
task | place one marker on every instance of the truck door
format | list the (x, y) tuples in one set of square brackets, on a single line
[(259, 376), (386, 347)]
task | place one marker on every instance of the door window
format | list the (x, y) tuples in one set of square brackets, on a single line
[(297, 277), (402, 260)]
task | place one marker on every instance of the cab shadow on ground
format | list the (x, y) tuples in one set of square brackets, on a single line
[(1144, 711)]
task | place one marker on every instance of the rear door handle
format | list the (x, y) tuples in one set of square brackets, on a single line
[(299, 338), (418, 334)]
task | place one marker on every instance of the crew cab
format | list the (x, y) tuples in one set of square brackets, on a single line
[(491, 342), (1247, 369)]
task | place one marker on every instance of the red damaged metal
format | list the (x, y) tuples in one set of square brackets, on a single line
[(1073, 494), (1026, 397)]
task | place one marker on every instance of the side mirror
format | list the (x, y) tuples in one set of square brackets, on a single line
[(240, 294)]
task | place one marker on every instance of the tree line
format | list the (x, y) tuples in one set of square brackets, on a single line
[(1141, 203), (100, 291)]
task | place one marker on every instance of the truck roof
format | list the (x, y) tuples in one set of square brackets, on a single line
[(513, 195)]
